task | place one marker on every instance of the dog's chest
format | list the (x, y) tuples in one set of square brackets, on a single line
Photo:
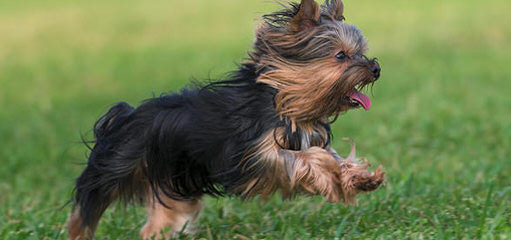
[(313, 139), (306, 137)]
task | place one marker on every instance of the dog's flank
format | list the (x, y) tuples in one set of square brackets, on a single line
[(264, 129)]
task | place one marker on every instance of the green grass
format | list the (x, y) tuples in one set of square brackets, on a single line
[(440, 124)]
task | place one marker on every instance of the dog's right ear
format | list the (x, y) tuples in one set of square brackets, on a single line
[(336, 9), (307, 16)]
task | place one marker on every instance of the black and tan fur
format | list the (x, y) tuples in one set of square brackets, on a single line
[(265, 129)]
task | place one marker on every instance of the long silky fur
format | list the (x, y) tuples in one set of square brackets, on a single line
[(187, 144), (182, 145)]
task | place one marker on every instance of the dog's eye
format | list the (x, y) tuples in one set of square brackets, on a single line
[(341, 56)]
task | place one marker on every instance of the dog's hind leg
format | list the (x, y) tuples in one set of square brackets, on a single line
[(179, 216), (75, 227), (91, 200)]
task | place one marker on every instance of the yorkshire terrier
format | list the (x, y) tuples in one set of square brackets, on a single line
[(263, 130)]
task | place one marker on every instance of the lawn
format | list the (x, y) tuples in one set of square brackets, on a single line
[(440, 122)]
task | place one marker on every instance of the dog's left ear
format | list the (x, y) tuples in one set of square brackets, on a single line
[(336, 9), (307, 16)]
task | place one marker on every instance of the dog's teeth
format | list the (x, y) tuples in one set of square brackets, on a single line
[(353, 101)]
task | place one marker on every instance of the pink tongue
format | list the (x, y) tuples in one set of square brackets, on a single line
[(361, 98)]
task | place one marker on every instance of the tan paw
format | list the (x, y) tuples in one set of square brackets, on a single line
[(369, 181), (355, 179)]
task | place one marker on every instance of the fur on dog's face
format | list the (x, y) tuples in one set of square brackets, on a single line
[(314, 60)]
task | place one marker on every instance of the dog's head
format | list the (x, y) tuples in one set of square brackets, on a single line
[(315, 60)]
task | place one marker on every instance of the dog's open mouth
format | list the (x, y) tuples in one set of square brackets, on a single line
[(356, 98)]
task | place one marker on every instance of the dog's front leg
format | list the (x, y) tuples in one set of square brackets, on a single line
[(314, 170), (319, 171)]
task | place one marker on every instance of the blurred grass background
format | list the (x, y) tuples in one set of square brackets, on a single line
[(440, 123)]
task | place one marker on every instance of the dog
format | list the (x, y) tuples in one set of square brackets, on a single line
[(264, 129)]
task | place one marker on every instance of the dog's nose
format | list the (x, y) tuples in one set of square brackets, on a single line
[(375, 70)]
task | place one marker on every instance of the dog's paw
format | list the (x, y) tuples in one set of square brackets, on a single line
[(369, 181), (356, 178)]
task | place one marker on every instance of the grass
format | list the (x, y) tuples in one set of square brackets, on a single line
[(440, 124)]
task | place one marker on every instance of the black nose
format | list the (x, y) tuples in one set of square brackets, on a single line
[(375, 70)]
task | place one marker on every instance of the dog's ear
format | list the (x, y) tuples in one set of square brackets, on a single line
[(307, 16), (336, 9)]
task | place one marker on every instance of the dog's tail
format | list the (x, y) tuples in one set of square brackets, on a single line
[(113, 171), (112, 120)]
